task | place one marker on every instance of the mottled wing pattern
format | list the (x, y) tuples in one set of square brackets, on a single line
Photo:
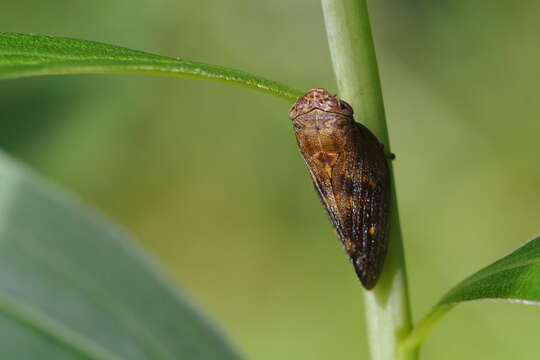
[(323, 184), (332, 180), (350, 173), (356, 197), (370, 207)]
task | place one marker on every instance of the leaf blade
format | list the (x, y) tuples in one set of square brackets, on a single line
[(513, 278), (40, 324), (74, 285), (23, 55)]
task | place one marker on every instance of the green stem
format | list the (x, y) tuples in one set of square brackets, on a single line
[(353, 56), (424, 328)]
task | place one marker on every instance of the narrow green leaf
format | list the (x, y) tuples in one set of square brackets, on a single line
[(24, 55), (514, 278), (73, 286)]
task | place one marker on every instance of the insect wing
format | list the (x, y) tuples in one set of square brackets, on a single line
[(370, 207), (350, 174)]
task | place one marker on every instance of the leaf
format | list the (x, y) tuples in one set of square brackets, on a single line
[(24, 55), (73, 286), (514, 278)]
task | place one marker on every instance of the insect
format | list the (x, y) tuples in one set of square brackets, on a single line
[(350, 173)]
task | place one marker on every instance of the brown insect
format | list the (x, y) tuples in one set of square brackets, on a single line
[(350, 173)]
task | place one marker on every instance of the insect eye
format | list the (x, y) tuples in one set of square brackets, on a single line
[(344, 106)]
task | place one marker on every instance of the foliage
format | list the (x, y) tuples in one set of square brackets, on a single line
[(55, 302)]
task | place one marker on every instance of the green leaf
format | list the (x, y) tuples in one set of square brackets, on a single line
[(514, 278), (24, 55), (73, 286)]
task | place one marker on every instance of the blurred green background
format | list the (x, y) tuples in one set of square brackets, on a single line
[(208, 178)]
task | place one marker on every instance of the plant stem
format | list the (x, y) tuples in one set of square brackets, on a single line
[(423, 329), (355, 65)]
